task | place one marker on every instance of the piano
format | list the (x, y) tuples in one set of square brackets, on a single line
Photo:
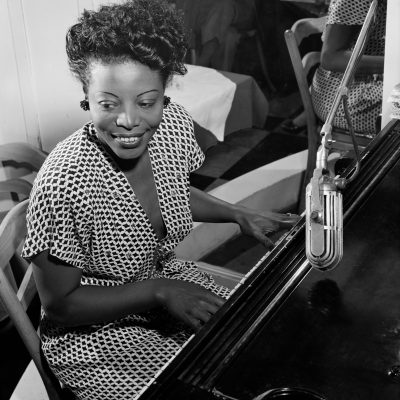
[(293, 332)]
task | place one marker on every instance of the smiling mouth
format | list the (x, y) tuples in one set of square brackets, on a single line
[(132, 139), (129, 139)]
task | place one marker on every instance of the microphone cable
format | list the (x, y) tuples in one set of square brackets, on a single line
[(353, 138)]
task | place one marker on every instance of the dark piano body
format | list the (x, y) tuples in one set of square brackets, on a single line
[(289, 328)]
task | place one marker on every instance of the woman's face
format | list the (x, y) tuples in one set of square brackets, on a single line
[(126, 104)]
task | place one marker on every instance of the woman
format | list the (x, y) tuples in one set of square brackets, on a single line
[(110, 204), (213, 26), (344, 22)]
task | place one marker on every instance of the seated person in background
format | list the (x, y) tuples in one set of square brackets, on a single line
[(112, 201), (344, 22), (213, 26)]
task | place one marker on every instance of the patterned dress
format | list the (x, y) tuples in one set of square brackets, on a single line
[(84, 211), (365, 94)]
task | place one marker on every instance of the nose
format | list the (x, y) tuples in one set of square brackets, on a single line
[(128, 118)]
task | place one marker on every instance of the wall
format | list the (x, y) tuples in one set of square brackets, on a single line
[(40, 103), (13, 73), (392, 62)]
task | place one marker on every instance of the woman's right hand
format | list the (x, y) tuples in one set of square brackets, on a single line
[(69, 303), (188, 302)]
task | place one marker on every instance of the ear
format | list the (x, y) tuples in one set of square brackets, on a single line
[(167, 100), (85, 105)]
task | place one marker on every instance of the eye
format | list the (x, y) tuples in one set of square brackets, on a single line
[(107, 106), (146, 104)]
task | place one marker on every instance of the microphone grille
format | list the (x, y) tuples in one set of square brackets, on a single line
[(324, 230)]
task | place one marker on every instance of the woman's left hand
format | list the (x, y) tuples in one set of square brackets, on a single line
[(261, 224)]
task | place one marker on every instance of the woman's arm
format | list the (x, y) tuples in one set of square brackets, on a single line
[(68, 303), (335, 54), (207, 208)]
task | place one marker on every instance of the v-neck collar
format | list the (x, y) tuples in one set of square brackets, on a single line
[(158, 192), (159, 198), (125, 182)]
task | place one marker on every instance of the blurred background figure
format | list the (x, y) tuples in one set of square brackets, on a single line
[(365, 97), (344, 22), (214, 28)]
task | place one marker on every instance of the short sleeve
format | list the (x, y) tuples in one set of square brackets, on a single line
[(347, 12), (195, 154), (177, 132), (52, 221)]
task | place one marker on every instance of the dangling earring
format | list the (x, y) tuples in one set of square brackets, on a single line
[(167, 100), (84, 105)]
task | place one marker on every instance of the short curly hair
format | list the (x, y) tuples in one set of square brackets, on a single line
[(147, 31)]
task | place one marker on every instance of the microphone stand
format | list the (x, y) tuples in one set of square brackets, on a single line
[(324, 219)]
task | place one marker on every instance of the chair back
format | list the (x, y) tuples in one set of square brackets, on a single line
[(305, 27), (300, 30), (22, 158), (16, 297), (12, 191), (19, 163)]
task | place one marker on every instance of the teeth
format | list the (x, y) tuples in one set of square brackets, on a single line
[(128, 140)]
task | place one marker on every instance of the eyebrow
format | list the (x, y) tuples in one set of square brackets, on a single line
[(148, 91), (112, 94), (140, 94)]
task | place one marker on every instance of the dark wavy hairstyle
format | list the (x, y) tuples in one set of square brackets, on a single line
[(147, 31)]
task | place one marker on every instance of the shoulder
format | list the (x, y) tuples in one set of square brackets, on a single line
[(348, 12), (176, 128), (177, 125), (175, 136), (176, 115), (66, 161)]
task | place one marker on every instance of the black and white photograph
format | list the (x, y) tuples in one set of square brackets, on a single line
[(200, 200)]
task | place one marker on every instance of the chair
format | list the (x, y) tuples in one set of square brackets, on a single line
[(12, 187), (300, 30), (17, 297), (19, 165), (20, 159)]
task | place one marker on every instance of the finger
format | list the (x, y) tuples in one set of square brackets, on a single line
[(265, 240), (287, 218), (270, 227), (212, 298), (268, 243), (211, 308), (290, 220), (194, 323), (201, 315)]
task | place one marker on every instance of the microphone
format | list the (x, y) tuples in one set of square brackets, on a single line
[(324, 202), (324, 221)]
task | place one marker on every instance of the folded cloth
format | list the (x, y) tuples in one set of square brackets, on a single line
[(394, 99), (206, 94)]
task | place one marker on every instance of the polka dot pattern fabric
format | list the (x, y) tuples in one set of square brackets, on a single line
[(83, 210), (365, 94)]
